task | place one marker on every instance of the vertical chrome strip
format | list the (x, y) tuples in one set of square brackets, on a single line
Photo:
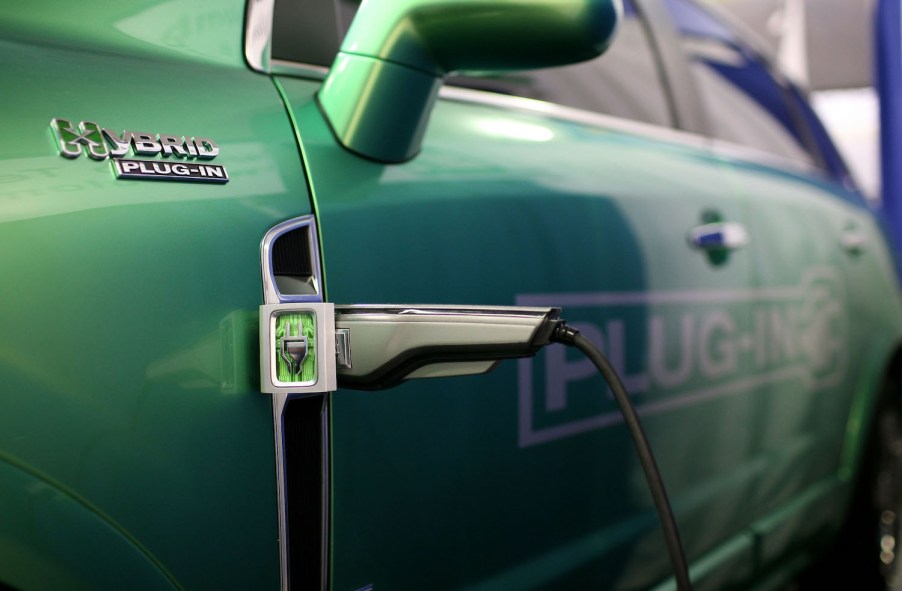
[(271, 295)]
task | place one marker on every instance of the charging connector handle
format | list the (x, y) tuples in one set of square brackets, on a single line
[(571, 337), (386, 344)]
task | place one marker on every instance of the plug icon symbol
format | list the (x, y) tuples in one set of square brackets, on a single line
[(296, 348), (293, 348)]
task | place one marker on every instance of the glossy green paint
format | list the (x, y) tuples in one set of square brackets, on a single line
[(52, 539), (136, 449), (205, 32), (378, 109), (379, 93), (849, 352), (758, 438), (128, 348), (476, 488)]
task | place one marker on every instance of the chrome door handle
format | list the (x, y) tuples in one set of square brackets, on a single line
[(853, 241), (719, 236)]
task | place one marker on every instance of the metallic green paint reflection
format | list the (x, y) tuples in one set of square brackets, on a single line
[(380, 91), (727, 567), (51, 539), (486, 213), (128, 347), (781, 198), (205, 31), (376, 108)]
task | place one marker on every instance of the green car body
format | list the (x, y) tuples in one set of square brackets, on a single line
[(137, 451)]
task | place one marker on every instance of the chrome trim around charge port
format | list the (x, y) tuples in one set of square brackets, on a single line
[(271, 293)]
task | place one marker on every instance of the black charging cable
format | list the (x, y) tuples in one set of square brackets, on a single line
[(570, 336)]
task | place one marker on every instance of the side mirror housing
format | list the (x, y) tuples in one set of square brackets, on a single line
[(381, 88)]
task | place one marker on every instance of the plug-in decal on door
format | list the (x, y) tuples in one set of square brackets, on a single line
[(101, 143), (676, 349)]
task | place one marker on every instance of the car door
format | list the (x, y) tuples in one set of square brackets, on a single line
[(525, 477), (823, 335)]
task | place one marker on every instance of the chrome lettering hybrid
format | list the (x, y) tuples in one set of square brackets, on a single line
[(72, 139), (100, 143)]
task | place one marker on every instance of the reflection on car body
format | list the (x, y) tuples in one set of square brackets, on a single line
[(677, 197)]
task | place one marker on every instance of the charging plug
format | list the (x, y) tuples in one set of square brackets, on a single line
[(380, 346)]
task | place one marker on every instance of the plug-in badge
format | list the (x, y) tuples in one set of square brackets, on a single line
[(101, 143)]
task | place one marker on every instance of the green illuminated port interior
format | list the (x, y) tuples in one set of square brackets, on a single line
[(308, 329)]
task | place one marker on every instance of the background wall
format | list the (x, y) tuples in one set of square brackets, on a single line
[(827, 46)]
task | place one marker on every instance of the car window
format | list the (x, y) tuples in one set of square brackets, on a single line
[(625, 82), (306, 31), (745, 103), (830, 157)]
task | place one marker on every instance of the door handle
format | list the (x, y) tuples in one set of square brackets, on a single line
[(853, 241), (719, 236)]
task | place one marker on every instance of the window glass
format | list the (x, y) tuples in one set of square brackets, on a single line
[(305, 32), (624, 82), (827, 150), (744, 103)]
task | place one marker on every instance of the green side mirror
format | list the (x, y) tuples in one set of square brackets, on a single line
[(380, 91)]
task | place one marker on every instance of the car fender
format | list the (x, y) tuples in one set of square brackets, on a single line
[(51, 538)]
